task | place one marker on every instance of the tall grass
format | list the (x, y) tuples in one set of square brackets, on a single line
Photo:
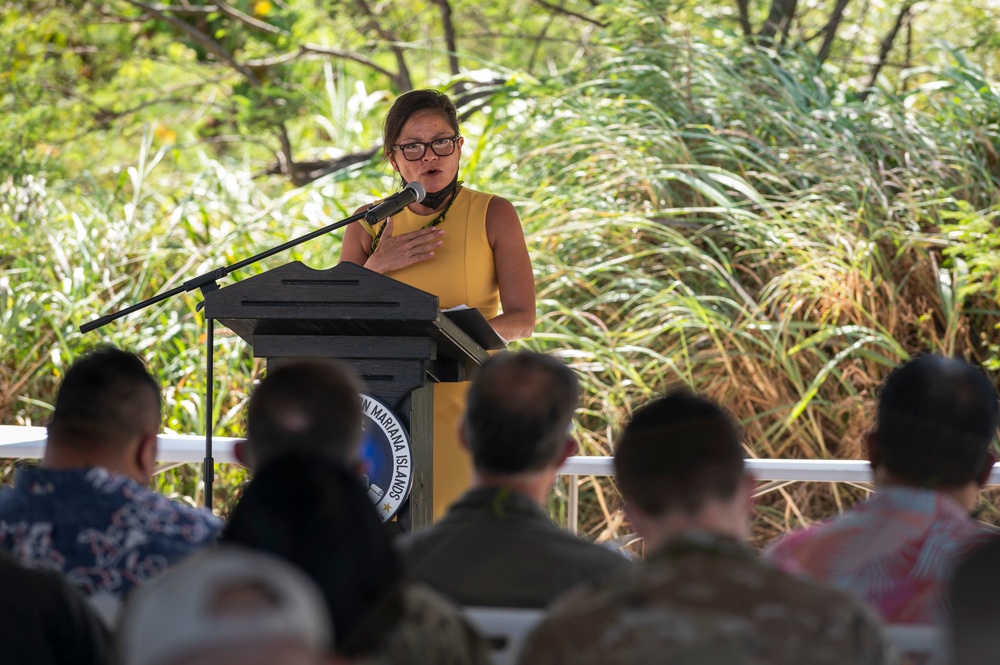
[(732, 222), (70, 257)]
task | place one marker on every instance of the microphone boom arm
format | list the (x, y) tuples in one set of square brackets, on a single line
[(207, 282)]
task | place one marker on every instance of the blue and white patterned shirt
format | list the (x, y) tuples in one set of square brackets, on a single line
[(103, 531)]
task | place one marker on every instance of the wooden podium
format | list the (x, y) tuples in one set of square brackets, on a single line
[(392, 335)]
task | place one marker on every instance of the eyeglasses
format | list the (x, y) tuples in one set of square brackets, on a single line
[(441, 147)]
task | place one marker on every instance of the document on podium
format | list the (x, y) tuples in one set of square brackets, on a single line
[(474, 324)]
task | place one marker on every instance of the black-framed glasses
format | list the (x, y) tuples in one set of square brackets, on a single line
[(441, 147)]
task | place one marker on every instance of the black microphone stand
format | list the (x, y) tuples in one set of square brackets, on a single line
[(206, 283)]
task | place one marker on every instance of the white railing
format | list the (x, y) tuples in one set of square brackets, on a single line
[(774, 474), (29, 443)]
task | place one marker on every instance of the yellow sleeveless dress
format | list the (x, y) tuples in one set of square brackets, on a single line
[(461, 272)]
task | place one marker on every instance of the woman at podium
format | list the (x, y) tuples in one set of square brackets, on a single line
[(464, 246)]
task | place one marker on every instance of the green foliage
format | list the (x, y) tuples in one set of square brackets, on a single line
[(729, 221), (700, 211)]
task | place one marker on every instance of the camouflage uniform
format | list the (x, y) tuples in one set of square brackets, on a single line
[(706, 599), (433, 631)]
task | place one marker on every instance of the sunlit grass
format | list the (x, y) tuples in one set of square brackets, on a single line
[(730, 222)]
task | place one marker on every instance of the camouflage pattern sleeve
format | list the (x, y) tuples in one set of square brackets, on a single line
[(873, 645), (434, 632), (560, 638), (543, 648)]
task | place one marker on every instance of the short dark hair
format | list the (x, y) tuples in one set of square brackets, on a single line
[(975, 614), (935, 421), (316, 514), (677, 452), (519, 410), (309, 406), (412, 102), (106, 398)]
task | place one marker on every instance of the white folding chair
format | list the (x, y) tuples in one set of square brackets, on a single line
[(505, 629), (923, 644)]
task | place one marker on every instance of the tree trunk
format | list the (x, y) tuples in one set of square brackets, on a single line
[(744, 8), (449, 35), (830, 30), (402, 77), (885, 48), (778, 19)]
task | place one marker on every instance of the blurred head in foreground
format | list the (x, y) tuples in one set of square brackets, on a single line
[(311, 407), (975, 612), (316, 515), (679, 467), (226, 606)]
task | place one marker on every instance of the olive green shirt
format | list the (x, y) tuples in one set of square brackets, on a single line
[(498, 548)]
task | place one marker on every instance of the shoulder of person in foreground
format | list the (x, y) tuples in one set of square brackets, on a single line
[(44, 620), (574, 621), (433, 632), (618, 618), (831, 618)]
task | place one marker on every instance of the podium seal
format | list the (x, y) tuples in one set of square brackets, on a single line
[(388, 455)]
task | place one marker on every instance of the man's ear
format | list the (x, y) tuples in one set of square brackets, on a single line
[(991, 459), (463, 440), (360, 467), (243, 453), (636, 518), (145, 457), (871, 448), (570, 448), (749, 485)]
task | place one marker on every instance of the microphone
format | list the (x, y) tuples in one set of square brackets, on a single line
[(414, 192)]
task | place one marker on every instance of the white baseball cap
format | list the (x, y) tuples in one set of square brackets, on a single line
[(184, 612)]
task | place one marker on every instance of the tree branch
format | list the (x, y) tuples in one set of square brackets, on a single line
[(199, 37), (830, 30), (449, 35), (885, 48), (105, 116), (743, 6), (354, 57), (248, 20), (779, 18), (307, 50), (186, 10), (402, 78), (304, 173), (536, 48), (285, 160), (562, 10), (224, 8)]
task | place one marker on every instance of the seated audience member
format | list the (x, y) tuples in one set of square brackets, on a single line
[(303, 426), (930, 454), (44, 621), (700, 596), (975, 608), (86, 511), (227, 606), (496, 546)]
